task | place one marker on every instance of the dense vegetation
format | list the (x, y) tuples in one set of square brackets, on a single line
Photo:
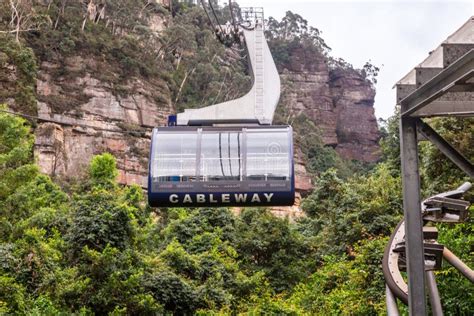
[(98, 249), (94, 247)]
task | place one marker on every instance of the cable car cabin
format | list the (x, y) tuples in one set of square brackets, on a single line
[(193, 166)]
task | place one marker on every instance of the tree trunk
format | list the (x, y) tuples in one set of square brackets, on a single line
[(182, 84)]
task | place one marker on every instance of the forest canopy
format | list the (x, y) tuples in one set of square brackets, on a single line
[(96, 248), (93, 246)]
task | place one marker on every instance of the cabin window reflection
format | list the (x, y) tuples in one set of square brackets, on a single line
[(174, 157), (268, 155), (221, 156)]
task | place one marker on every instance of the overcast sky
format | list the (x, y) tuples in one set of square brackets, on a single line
[(395, 35)]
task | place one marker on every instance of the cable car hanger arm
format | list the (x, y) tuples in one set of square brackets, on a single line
[(259, 104)]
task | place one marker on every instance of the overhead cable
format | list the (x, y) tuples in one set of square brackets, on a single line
[(232, 15), (208, 17), (215, 16)]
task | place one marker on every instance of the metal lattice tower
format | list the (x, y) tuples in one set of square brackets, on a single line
[(441, 85)]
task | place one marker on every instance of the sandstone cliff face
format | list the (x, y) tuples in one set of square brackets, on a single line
[(98, 119), (356, 128), (340, 102), (90, 112)]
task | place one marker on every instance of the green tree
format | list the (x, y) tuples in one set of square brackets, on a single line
[(345, 287), (342, 213), (16, 169), (116, 282), (98, 220), (291, 33), (16, 153), (39, 201), (205, 72), (437, 171), (455, 290), (12, 296), (20, 85), (272, 245), (200, 249), (390, 142), (103, 170)]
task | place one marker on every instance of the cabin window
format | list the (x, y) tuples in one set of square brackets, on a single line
[(268, 155), (174, 157), (221, 156), (216, 155)]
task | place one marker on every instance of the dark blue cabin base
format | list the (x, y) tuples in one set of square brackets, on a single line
[(255, 199)]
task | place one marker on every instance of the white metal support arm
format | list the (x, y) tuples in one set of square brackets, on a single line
[(259, 104)]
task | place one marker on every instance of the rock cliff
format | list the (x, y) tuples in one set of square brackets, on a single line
[(86, 110), (101, 120), (339, 101)]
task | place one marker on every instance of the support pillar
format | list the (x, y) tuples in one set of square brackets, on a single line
[(435, 299), (413, 220), (391, 302)]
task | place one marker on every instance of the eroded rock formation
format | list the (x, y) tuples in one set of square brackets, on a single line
[(339, 101), (91, 117)]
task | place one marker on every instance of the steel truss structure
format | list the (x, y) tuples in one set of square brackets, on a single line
[(442, 85)]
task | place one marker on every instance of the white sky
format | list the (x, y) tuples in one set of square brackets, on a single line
[(397, 34)]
